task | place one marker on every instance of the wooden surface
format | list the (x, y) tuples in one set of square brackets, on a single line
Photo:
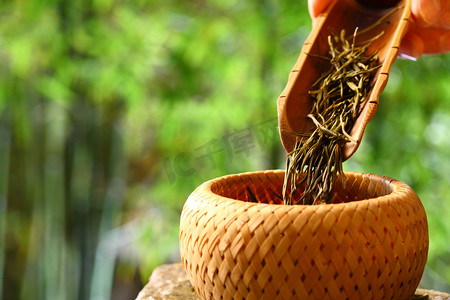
[(170, 282)]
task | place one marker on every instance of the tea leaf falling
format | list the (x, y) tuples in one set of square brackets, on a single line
[(339, 96)]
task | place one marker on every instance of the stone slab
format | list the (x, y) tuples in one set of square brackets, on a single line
[(170, 282)]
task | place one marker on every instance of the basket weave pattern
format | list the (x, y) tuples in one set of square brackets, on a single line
[(371, 249)]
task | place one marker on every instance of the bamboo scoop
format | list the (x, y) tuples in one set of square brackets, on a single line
[(295, 103)]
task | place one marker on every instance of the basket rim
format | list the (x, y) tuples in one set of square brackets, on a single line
[(399, 188)]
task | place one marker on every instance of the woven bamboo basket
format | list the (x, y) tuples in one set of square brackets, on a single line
[(372, 245)]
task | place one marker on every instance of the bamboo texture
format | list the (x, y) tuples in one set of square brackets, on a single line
[(373, 246)]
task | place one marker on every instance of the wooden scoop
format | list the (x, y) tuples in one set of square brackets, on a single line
[(295, 103)]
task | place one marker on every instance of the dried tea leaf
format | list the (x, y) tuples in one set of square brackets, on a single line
[(338, 94)]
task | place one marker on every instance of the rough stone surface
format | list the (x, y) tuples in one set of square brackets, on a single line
[(170, 282), (434, 295)]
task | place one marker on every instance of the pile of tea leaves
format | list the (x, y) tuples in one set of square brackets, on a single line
[(338, 97)]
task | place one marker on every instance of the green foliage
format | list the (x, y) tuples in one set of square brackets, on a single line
[(112, 112)]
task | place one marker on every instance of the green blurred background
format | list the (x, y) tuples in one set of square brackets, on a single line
[(112, 112)]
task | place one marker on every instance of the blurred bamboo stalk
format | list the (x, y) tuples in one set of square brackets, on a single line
[(68, 187), (56, 256), (5, 144), (111, 165), (94, 191)]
